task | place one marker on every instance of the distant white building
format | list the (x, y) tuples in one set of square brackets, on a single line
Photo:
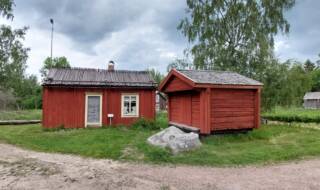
[(311, 100)]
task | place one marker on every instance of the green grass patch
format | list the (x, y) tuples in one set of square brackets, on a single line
[(159, 123), (162, 119), (293, 115), (21, 115), (272, 143)]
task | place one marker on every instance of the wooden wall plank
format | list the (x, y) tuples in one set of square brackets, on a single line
[(257, 108), (195, 109), (66, 106), (175, 84), (184, 108), (232, 109)]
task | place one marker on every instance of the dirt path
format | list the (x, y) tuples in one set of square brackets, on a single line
[(24, 169)]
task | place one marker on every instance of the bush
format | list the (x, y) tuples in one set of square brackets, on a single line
[(162, 119), (7, 99), (293, 115), (159, 123), (145, 124)]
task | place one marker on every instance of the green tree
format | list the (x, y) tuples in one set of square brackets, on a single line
[(234, 35), (156, 75), (309, 66), (29, 93), (13, 55), (57, 62), (318, 61), (298, 83), (7, 99), (284, 84), (6, 9), (315, 75), (179, 64), (273, 79)]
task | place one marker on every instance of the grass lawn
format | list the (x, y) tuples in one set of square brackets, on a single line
[(21, 115), (293, 115), (268, 144)]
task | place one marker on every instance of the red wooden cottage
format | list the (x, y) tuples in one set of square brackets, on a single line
[(78, 97), (212, 100)]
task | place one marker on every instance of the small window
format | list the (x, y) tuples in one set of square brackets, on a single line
[(130, 105)]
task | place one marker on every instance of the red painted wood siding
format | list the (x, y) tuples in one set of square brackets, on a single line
[(185, 108), (195, 109), (232, 109), (66, 106), (175, 84)]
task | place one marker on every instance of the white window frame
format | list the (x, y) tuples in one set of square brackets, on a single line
[(122, 104), (86, 110)]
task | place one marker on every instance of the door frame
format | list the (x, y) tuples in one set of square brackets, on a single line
[(88, 94)]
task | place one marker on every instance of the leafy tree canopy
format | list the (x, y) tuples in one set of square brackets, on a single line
[(298, 83), (309, 66), (156, 75), (315, 74), (57, 62), (180, 64), (13, 55), (318, 61), (6, 8), (16, 88), (285, 84), (234, 35)]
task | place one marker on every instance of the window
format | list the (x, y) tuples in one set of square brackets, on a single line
[(130, 105)]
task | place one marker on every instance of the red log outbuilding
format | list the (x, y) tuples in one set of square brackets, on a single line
[(77, 97), (212, 100)]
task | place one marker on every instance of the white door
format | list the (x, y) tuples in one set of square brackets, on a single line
[(93, 110)]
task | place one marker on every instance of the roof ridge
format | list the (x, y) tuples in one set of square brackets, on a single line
[(201, 70), (97, 69)]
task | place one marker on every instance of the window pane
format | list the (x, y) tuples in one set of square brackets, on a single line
[(133, 108), (126, 107), (126, 98)]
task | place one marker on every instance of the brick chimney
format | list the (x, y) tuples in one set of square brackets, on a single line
[(111, 66)]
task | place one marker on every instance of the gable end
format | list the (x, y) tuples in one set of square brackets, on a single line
[(176, 82)]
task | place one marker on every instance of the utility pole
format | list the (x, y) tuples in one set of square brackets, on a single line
[(51, 21)]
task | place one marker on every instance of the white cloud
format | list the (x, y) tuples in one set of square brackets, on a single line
[(135, 34), (303, 41)]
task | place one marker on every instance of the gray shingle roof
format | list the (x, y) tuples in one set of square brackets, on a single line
[(312, 96), (98, 77), (218, 77)]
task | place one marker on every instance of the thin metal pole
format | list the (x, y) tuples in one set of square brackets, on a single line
[(51, 21)]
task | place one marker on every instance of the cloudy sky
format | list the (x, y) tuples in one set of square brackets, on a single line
[(136, 34)]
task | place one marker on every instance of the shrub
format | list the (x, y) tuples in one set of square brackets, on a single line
[(145, 124), (159, 123), (293, 115), (162, 120)]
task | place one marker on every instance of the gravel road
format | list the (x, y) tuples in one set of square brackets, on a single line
[(25, 169)]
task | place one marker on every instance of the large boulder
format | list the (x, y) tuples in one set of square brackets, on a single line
[(175, 139)]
